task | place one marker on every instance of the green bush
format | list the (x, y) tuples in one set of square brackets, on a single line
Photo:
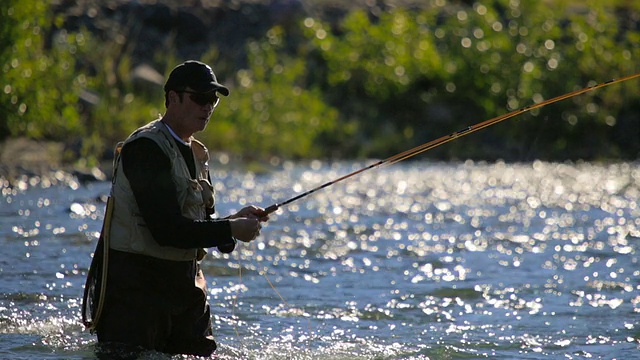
[(271, 111), (369, 83), (39, 84), (411, 76)]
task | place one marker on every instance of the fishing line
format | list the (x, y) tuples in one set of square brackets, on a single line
[(235, 300), (235, 304), (447, 138), (266, 277), (288, 307)]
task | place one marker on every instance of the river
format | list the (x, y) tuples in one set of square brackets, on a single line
[(418, 260)]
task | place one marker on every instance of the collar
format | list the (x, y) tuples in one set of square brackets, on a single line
[(175, 136)]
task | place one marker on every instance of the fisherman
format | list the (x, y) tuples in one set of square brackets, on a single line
[(160, 224)]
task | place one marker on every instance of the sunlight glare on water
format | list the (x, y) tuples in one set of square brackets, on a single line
[(417, 260)]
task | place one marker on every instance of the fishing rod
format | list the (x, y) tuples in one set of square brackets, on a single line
[(447, 138)]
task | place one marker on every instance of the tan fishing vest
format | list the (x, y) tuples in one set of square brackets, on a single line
[(129, 231)]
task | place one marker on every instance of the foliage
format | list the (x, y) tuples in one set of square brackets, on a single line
[(379, 67), (120, 105), (39, 85), (452, 65), (373, 82), (272, 110)]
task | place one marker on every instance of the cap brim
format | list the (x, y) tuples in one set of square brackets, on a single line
[(222, 90), (212, 87)]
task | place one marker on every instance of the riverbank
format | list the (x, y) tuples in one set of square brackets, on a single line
[(22, 158)]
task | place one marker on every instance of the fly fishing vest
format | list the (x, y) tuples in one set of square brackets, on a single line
[(129, 231)]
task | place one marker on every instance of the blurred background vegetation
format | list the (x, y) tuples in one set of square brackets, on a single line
[(330, 79)]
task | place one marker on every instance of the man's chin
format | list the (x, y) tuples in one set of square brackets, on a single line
[(204, 124)]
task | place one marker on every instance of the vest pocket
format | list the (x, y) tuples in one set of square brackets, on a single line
[(194, 195), (207, 193)]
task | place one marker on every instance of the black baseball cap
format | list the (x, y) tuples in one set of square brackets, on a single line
[(195, 75)]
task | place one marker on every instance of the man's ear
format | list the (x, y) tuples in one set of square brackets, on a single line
[(173, 97)]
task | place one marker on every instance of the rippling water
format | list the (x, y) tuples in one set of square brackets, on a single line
[(413, 261)]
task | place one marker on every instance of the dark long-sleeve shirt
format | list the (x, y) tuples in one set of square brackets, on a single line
[(148, 170)]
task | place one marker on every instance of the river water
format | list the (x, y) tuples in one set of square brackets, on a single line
[(418, 260)]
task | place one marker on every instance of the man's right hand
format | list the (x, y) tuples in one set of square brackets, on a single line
[(245, 228)]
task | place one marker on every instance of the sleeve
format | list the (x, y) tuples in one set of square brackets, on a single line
[(148, 170)]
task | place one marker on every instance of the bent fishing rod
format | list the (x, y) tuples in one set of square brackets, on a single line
[(447, 138)]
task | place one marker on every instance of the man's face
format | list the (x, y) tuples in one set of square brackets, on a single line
[(195, 110)]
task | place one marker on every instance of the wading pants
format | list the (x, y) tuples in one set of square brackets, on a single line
[(154, 304)]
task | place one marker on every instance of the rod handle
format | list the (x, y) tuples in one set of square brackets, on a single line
[(272, 208)]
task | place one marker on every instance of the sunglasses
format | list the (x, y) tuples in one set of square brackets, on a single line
[(202, 99)]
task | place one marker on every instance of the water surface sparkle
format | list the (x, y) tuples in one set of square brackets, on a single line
[(413, 261)]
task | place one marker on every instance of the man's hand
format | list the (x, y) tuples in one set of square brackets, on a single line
[(251, 211), (245, 228), (245, 224)]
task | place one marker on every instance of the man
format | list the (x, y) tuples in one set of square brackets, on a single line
[(155, 296)]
